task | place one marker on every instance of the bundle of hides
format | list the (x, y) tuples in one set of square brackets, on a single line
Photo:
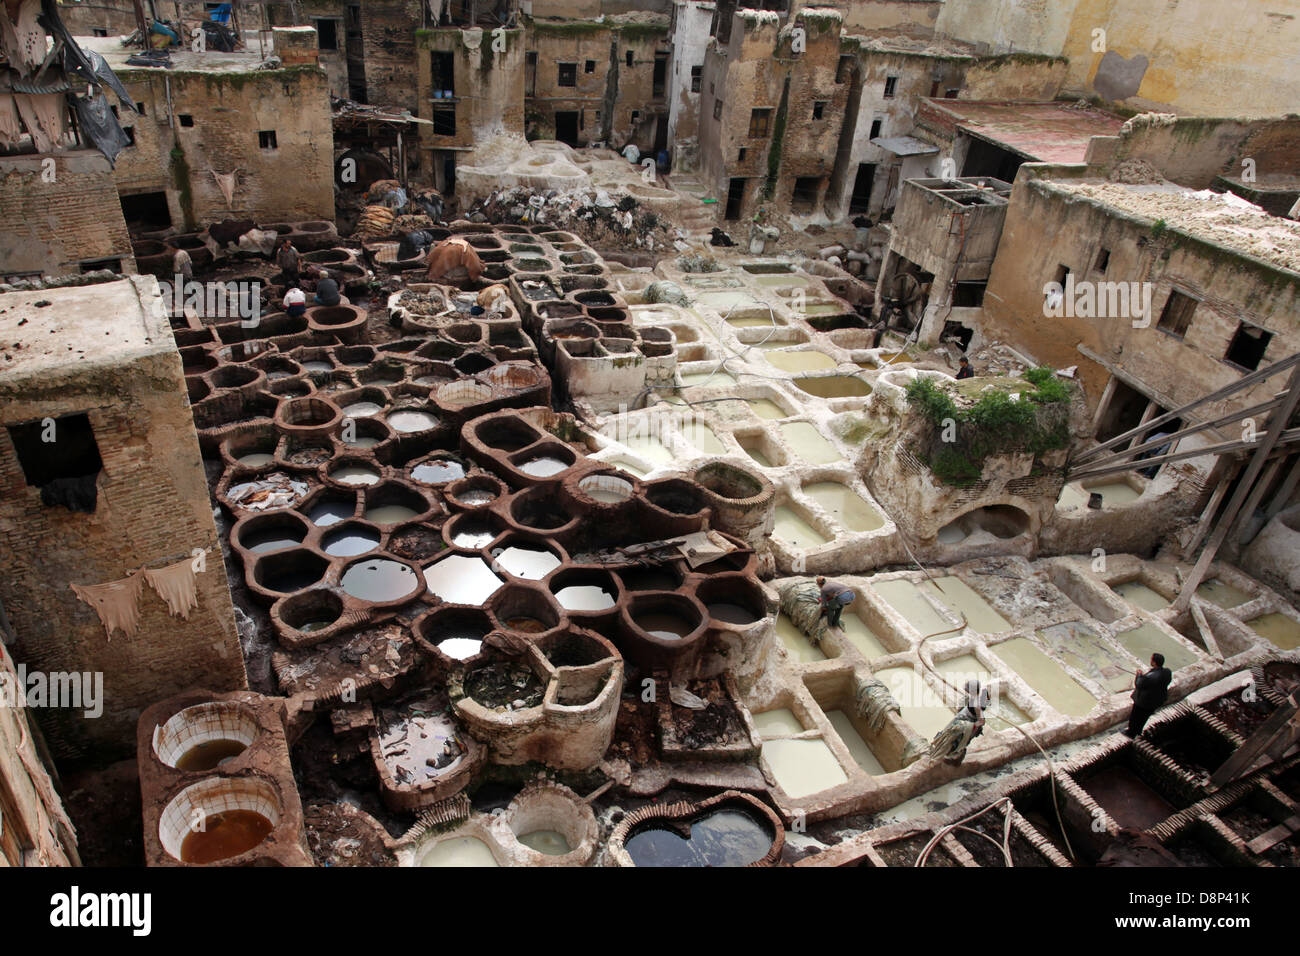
[(873, 701), (954, 738), (259, 241), (414, 244), (489, 295), (801, 603), (429, 202), (228, 231), (408, 223), (915, 749), (452, 254), (380, 189), (666, 292), (375, 221)]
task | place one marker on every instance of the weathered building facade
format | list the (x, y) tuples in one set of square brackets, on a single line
[(101, 481), (217, 121)]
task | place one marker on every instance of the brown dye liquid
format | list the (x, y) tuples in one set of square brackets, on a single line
[(225, 835), (529, 625), (209, 754)]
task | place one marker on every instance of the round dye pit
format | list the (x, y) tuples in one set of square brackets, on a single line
[(379, 581), (664, 625), (473, 534), (355, 475), (460, 648), (723, 838), (350, 540), (544, 466), (584, 597), (531, 564), (237, 814), (330, 511), (459, 851), (202, 737), (411, 420), (272, 539), (549, 842), (390, 514), (438, 471)]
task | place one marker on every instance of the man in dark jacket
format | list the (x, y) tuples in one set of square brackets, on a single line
[(327, 290), (1149, 693)]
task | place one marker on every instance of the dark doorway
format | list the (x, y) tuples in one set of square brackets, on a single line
[(444, 171), (860, 201), (566, 126), (804, 196), (660, 76), (1123, 412), (145, 212), (735, 198), (985, 159), (661, 134), (355, 52)]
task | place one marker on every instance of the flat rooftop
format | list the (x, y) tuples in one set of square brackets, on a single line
[(182, 58), (1221, 218), (1040, 132), (110, 323)]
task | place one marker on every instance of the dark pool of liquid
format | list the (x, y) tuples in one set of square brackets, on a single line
[(270, 541), (723, 838), (209, 754), (438, 472), (731, 613), (668, 627), (225, 835), (648, 579), (296, 579), (1128, 800)]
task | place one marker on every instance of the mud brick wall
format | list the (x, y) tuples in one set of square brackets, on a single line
[(489, 88), (292, 181), (52, 227), (1047, 227), (388, 33), (153, 508)]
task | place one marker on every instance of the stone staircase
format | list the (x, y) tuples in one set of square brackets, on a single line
[(697, 218)]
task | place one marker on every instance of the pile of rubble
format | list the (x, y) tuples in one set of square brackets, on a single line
[(598, 217)]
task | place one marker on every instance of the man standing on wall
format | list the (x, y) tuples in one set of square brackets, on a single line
[(1149, 693), (834, 598), (289, 260)]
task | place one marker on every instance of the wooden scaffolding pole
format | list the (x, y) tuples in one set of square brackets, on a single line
[(1276, 426)]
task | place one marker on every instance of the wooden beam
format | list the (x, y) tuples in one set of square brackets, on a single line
[(1244, 757), (1241, 384), (1270, 838), (1248, 509), (1211, 509), (1207, 635), (1172, 437), (1288, 438), (1276, 427), (1285, 492)]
